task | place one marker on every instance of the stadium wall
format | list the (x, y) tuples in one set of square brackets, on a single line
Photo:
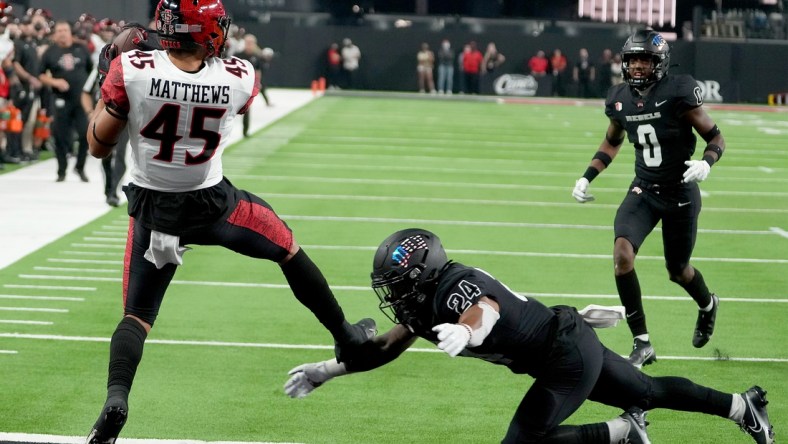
[(727, 71)]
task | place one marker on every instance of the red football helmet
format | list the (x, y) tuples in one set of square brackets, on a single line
[(190, 23)]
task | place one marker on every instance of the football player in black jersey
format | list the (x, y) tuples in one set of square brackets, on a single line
[(467, 312), (657, 112)]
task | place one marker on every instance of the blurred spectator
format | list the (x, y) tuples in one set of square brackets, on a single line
[(558, 66), (333, 66), (616, 70), (254, 55), (235, 40), (492, 58), (425, 63), (26, 95), (538, 64), (472, 60), (445, 68), (604, 73), (65, 67), (584, 74), (351, 55), (461, 67), (6, 73)]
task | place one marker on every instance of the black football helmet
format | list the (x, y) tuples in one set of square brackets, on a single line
[(404, 273), (651, 43)]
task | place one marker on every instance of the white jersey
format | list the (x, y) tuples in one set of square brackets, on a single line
[(178, 121)]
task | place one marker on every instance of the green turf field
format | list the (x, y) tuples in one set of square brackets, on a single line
[(494, 181)]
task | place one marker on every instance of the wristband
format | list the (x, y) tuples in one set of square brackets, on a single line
[(591, 173), (708, 159), (714, 148)]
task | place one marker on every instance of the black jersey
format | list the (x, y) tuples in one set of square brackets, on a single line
[(73, 64), (523, 330), (663, 140)]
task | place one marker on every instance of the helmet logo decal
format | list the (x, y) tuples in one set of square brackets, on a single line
[(166, 26), (658, 41), (401, 254)]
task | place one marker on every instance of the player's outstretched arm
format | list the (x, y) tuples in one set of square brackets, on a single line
[(605, 154), (375, 353)]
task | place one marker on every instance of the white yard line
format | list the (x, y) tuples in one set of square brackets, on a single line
[(57, 439), (227, 344)]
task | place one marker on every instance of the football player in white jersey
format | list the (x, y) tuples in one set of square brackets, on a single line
[(178, 103)]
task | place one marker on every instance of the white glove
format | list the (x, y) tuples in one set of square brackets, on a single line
[(453, 337), (307, 377), (697, 171), (580, 193)]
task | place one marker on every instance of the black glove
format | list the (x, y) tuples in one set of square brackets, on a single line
[(355, 335), (107, 54)]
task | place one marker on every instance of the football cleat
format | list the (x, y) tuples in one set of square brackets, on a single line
[(756, 421), (110, 422), (642, 353), (637, 426), (704, 327)]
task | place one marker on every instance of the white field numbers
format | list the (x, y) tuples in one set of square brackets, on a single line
[(652, 151)]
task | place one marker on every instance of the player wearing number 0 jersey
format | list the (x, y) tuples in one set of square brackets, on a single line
[(179, 105), (657, 113)]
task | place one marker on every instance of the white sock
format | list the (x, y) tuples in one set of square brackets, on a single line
[(708, 307), (642, 337), (738, 406), (619, 429)]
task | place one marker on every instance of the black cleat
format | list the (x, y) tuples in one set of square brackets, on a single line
[(82, 176), (704, 327), (642, 353), (756, 420), (110, 422), (637, 426)]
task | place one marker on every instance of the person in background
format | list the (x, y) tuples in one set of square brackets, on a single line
[(466, 312), (538, 64), (65, 67), (584, 74), (604, 74), (558, 66), (492, 58), (333, 66), (254, 55), (472, 60), (445, 68), (351, 57), (26, 98), (425, 63)]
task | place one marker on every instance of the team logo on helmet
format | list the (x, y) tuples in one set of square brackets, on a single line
[(166, 25), (402, 253), (658, 41)]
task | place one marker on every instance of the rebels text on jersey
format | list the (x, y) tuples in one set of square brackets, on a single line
[(524, 326), (178, 120), (654, 124)]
